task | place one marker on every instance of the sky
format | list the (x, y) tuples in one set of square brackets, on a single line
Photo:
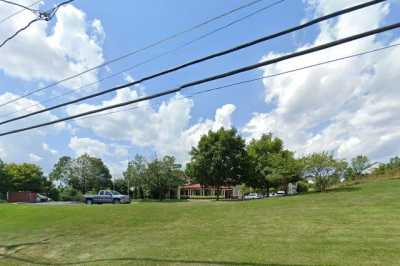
[(348, 108)]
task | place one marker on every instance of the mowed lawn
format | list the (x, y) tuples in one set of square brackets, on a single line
[(352, 226)]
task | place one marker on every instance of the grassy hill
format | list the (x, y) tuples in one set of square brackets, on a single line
[(358, 225)]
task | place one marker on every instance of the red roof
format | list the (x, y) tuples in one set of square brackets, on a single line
[(198, 186), (192, 186)]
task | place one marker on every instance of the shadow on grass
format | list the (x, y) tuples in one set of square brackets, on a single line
[(345, 189), (144, 260), (160, 201), (19, 246)]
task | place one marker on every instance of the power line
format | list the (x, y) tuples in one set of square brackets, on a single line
[(19, 31), (254, 79), (203, 59), (19, 5), (216, 77), (18, 12), (42, 16), (201, 37), (154, 44)]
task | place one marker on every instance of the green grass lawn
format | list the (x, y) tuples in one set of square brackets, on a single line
[(359, 225)]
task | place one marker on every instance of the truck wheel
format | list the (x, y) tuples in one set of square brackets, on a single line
[(89, 202), (116, 201)]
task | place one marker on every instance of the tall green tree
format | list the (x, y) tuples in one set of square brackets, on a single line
[(135, 175), (271, 164), (62, 171), (26, 177), (358, 166), (392, 166), (220, 159), (163, 176), (324, 169), (5, 180), (120, 185), (85, 173)]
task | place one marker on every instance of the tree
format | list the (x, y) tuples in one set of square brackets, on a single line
[(287, 167), (120, 185), (26, 177), (5, 180), (162, 176), (359, 165), (135, 174), (392, 166), (62, 171), (220, 159), (89, 173), (271, 165), (324, 169)]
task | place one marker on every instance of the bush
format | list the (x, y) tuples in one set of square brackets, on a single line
[(71, 194), (203, 197), (302, 187), (54, 194), (3, 196)]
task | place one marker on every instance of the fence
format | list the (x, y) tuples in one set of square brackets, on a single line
[(3, 196)]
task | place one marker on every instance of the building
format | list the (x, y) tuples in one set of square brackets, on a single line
[(23, 196), (198, 191), (292, 189)]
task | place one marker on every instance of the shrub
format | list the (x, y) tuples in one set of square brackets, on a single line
[(54, 194), (203, 197), (71, 194), (3, 196), (302, 187)]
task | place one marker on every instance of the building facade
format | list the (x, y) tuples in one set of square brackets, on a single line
[(198, 191)]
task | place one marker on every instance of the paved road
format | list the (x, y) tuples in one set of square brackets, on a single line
[(53, 203)]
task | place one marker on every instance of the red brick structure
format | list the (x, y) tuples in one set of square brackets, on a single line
[(24, 196)]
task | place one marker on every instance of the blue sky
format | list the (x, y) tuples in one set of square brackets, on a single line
[(348, 108)]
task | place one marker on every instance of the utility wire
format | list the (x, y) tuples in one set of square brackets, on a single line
[(253, 80), (42, 16), (18, 12), (206, 58), (182, 46), (19, 31), (157, 43), (19, 5), (216, 77)]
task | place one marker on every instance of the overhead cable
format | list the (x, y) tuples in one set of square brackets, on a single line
[(197, 61), (215, 77)]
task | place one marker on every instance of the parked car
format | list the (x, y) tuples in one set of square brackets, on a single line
[(251, 196), (281, 193), (42, 198), (107, 196)]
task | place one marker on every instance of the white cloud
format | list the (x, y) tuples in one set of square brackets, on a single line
[(165, 129), (29, 145), (47, 148), (350, 107), (87, 145), (35, 158), (110, 153), (120, 151), (45, 53), (117, 168)]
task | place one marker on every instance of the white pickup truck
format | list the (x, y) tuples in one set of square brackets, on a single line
[(107, 196)]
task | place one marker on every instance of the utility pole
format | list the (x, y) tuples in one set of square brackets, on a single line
[(128, 175)]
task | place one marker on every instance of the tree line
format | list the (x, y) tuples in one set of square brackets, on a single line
[(221, 158)]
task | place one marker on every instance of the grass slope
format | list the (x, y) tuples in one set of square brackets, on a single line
[(351, 226)]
